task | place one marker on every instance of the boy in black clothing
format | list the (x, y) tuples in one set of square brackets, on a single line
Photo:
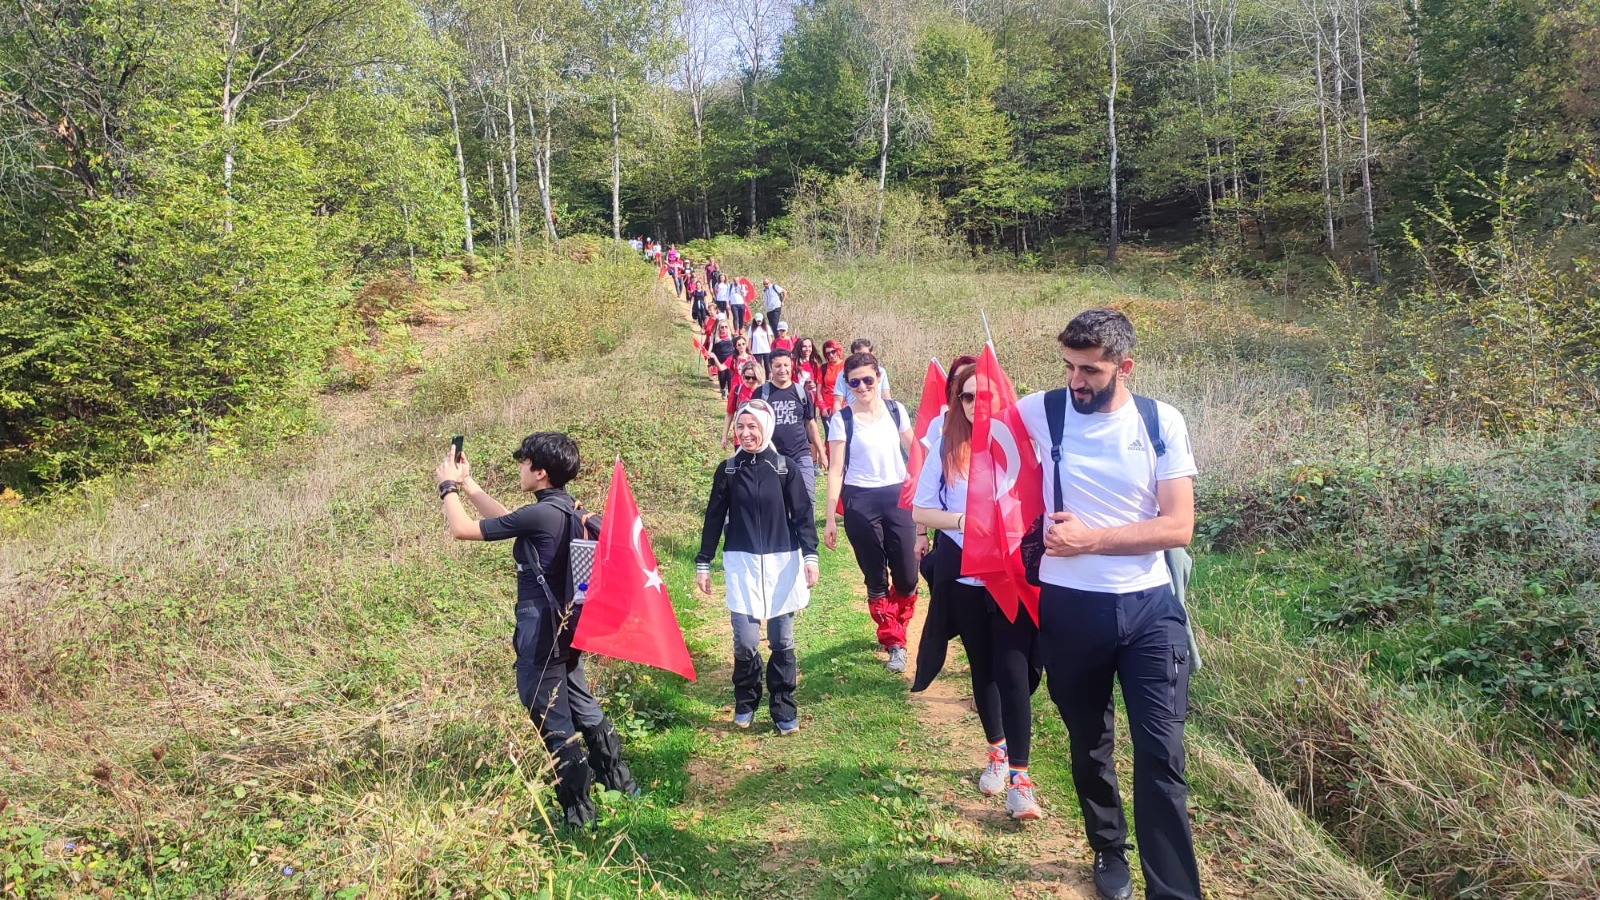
[(550, 678)]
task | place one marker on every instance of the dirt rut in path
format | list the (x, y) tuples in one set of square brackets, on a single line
[(1053, 849)]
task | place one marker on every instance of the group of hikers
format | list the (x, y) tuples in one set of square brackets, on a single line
[(1118, 489)]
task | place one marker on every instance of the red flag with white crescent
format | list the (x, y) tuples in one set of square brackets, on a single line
[(747, 288), (928, 408), (1005, 492), (627, 614)]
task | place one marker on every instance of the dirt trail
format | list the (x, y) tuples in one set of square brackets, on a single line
[(1057, 856)]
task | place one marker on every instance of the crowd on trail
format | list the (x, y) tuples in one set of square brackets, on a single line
[(1096, 481)]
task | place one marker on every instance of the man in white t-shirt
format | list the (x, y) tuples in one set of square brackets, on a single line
[(1107, 609), (842, 394), (772, 301)]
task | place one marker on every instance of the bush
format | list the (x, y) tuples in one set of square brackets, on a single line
[(155, 324), (1496, 563), (839, 216)]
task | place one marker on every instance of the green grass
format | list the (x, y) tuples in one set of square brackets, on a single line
[(226, 667)]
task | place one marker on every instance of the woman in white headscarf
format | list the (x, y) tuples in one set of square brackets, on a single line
[(769, 562)]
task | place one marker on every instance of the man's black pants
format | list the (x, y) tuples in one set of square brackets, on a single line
[(1086, 639), (551, 685)]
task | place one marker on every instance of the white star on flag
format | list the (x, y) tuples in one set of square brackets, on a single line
[(652, 578)]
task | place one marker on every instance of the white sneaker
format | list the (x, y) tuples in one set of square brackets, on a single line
[(897, 659), (1019, 800), (743, 720), (993, 780)]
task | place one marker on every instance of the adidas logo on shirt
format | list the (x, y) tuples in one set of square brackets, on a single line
[(1137, 445)]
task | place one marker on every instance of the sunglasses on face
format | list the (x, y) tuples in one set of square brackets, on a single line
[(968, 397), (863, 381), (749, 378)]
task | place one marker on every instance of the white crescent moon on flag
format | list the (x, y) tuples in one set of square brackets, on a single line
[(1000, 433)]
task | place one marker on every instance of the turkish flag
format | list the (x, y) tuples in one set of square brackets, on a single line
[(1005, 492), (748, 289), (627, 613), (928, 409)]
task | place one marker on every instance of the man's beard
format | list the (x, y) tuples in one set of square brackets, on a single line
[(1097, 401)]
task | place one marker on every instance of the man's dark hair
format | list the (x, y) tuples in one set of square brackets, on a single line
[(1106, 329), (553, 452), (860, 360), (781, 353), (861, 344)]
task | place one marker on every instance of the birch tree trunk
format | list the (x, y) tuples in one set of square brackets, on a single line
[(1111, 130), (1322, 131), (513, 192), (616, 165), (461, 170), (1376, 270), (883, 157)]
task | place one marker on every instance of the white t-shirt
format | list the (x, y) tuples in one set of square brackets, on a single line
[(1109, 472), (875, 459), (760, 340), (841, 389), (721, 295), (736, 293), (952, 499), (772, 297)]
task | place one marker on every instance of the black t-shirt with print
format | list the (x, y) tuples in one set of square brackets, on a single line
[(791, 410)]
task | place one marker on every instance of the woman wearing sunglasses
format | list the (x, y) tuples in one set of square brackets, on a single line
[(832, 366), (751, 376), (769, 563), (1000, 654), (867, 445)]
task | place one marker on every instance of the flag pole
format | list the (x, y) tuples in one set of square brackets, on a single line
[(986, 334)]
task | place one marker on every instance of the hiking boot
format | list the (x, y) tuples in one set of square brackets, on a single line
[(1020, 804), (743, 720), (1112, 880), (789, 727), (897, 659), (993, 780)]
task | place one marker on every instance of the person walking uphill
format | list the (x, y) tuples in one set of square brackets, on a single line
[(1119, 482), (769, 561), (1000, 653), (550, 680), (867, 445)]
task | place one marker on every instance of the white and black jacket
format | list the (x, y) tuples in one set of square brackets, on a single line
[(761, 513)]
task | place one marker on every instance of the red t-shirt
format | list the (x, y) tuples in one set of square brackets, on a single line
[(783, 343), (741, 392)]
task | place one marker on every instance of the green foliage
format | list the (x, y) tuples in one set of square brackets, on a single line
[(1491, 570), (1501, 333), (154, 324), (841, 216)]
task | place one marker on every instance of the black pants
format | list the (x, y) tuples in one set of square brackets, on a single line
[(725, 378), (1087, 639), (883, 537), (552, 688), (741, 315), (766, 363), (772, 318), (1001, 657), (783, 673)]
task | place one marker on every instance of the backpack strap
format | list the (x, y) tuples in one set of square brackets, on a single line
[(1055, 413), (849, 433), (894, 413), (1151, 414)]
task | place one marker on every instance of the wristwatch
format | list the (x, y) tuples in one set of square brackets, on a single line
[(447, 488)]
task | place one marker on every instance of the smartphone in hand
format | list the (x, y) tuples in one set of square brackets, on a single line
[(456, 442)]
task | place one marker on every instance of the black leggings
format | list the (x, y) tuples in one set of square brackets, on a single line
[(883, 537), (1001, 656)]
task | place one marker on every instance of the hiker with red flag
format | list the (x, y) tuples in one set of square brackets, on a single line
[(867, 445), (1119, 481), (759, 509), (550, 680), (1000, 651)]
